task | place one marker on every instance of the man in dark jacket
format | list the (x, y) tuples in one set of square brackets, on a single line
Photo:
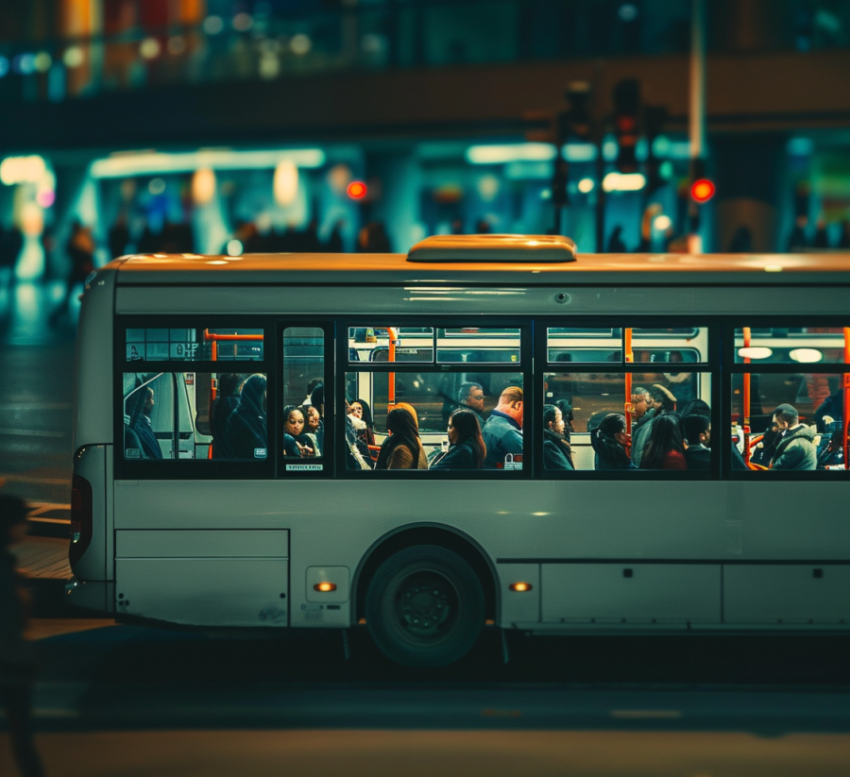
[(795, 449), (697, 430), (503, 430)]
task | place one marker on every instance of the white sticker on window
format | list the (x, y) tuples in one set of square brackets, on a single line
[(304, 467), (259, 453)]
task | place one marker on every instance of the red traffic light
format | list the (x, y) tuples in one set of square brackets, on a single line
[(356, 190), (702, 190)]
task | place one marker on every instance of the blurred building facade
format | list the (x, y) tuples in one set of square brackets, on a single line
[(248, 121)]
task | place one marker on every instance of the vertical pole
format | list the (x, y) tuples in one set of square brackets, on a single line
[(628, 406), (696, 116), (845, 420), (598, 138), (746, 398)]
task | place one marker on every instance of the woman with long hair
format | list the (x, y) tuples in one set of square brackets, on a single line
[(403, 448), (665, 448), (557, 453), (294, 438), (466, 445), (609, 443)]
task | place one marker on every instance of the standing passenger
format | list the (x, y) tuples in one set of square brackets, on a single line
[(697, 429), (313, 428), (224, 405), (503, 430), (247, 434), (140, 423), (662, 401)]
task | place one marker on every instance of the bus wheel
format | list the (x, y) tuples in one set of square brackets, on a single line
[(425, 607)]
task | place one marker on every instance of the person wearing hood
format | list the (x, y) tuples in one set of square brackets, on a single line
[(557, 453), (140, 423), (795, 449), (225, 403), (466, 445), (246, 427)]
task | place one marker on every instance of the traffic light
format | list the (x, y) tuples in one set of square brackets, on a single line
[(356, 190), (626, 98), (702, 190)]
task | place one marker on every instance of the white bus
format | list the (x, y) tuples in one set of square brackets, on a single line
[(191, 506)]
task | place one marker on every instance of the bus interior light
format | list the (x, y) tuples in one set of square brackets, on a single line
[(325, 587), (520, 587), (755, 352), (806, 355)]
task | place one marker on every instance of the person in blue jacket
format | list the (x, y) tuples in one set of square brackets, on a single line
[(503, 430), (609, 443), (466, 445)]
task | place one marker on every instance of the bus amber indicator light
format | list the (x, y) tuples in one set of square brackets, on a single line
[(325, 587), (356, 190), (520, 587), (702, 190)]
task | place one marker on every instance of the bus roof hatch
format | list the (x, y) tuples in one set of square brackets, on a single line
[(531, 249)]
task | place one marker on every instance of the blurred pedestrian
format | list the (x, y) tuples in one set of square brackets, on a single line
[(483, 227), (11, 245), (615, 242), (373, 239), (118, 237), (17, 664), (80, 249), (742, 241), (334, 244), (844, 238), (798, 240), (821, 236)]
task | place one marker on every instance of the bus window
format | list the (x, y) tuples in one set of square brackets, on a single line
[(194, 344), (391, 343), (477, 345), (434, 397), (670, 346), (303, 382), (815, 420), (791, 345), (186, 415), (584, 346)]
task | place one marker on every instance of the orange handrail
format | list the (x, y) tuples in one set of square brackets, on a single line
[(745, 420), (629, 406), (845, 421), (393, 336)]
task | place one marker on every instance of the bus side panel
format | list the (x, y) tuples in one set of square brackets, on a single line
[(90, 463), (93, 415)]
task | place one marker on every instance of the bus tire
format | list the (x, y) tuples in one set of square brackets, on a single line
[(425, 607)]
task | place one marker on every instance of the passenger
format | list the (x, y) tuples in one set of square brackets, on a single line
[(314, 428), (295, 441), (503, 430), (470, 396), (466, 445), (403, 448), (317, 399), (662, 401), (412, 410), (640, 403), (680, 383), (224, 405), (140, 423), (697, 431), (665, 448), (609, 443), (311, 387), (360, 409), (247, 435), (557, 453), (795, 449)]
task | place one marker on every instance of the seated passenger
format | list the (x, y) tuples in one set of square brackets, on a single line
[(697, 430), (466, 445), (359, 408), (224, 405), (140, 423), (247, 435), (557, 453), (503, 430), (314, 428), (609, 443), (295, 442), (403, 448), (795, 449), (665, 448)]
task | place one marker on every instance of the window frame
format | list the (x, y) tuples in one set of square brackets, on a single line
[(734, 368), (190, 469), (436, 321)]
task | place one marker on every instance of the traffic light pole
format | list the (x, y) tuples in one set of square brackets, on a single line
[(696, 118)]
